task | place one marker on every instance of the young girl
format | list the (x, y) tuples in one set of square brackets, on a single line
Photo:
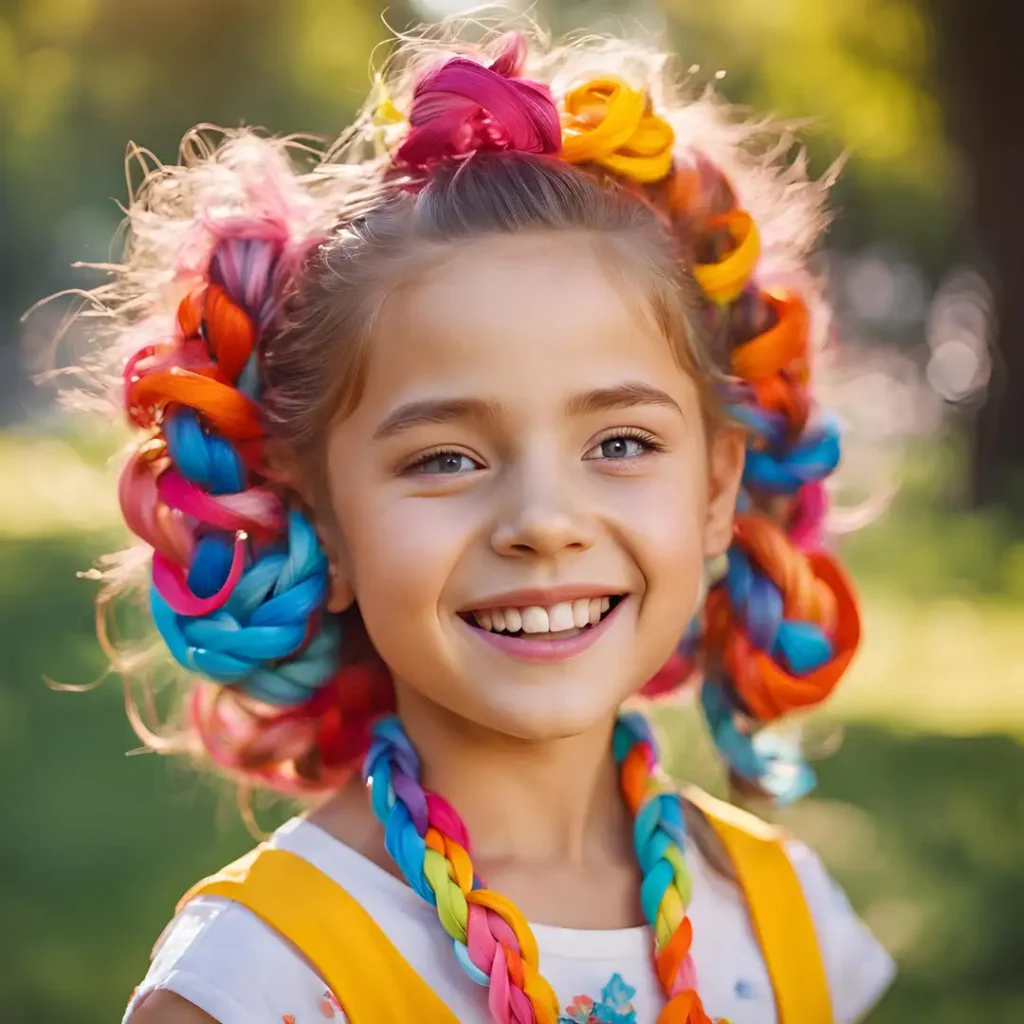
[(442, 441)]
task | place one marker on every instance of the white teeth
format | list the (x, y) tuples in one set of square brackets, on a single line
[(560, 617), (535, 620)]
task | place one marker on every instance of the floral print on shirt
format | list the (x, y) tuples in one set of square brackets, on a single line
[(614, 1007)]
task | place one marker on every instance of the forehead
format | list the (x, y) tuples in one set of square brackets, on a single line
[(520, 319)]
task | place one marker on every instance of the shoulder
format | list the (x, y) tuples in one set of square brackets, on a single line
[(229, 965), (858, 967)]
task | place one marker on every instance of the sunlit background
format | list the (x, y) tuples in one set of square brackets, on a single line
[(920, 811)]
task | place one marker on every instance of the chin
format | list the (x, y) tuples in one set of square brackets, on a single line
[(545, 713)]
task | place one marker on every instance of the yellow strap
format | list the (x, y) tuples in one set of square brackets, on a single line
[(778, 910), (371, 979)]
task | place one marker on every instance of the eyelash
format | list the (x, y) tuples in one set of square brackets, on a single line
[(435, 453), (635, 434)]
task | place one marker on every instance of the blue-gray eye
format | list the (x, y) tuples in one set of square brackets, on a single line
[(447, 463), (621, 448)]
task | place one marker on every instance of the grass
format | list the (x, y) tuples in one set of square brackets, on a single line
[(920, 811)]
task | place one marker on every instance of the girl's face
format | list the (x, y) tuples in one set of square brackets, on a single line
[(525, 494)]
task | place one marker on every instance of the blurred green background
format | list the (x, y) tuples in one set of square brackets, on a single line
[(920, 811)]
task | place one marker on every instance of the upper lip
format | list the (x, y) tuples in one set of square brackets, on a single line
[(544, 596)]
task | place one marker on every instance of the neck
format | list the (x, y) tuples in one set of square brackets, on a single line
[(531, 802)]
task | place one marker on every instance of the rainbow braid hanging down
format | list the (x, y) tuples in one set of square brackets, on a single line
[(781, 627)]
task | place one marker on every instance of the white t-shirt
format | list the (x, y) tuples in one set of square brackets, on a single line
[(219, 956)]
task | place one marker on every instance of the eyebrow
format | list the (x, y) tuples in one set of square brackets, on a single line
[(436, 410), (446, 410), (621, 396)]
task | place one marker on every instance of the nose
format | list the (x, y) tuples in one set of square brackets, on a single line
[(541, 515)]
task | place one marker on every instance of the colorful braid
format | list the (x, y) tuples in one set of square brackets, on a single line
[(242, 607), (659, 836), (492, 940), (238, 581), (493, 943), (783, 624)]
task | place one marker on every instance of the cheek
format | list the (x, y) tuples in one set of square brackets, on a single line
[(663, 527), (401, 551), (664, 517)]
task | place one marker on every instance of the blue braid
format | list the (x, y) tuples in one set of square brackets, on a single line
[(263, 622)]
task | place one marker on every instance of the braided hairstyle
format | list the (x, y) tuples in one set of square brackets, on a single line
[(782, 624), (247, 273), (238, 578)]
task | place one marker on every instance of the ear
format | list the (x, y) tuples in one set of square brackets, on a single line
[(726, 453), (340, 594)]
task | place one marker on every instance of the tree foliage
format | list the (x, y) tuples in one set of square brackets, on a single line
[(80, 78)]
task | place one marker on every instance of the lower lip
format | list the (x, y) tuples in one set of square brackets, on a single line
[(546, 650)]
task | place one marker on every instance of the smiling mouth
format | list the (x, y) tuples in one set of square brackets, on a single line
[(559, 621)]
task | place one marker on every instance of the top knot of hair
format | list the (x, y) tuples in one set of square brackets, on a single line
[(463, 107)]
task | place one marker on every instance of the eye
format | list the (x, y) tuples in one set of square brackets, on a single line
[(443, 464), (622, 446)]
